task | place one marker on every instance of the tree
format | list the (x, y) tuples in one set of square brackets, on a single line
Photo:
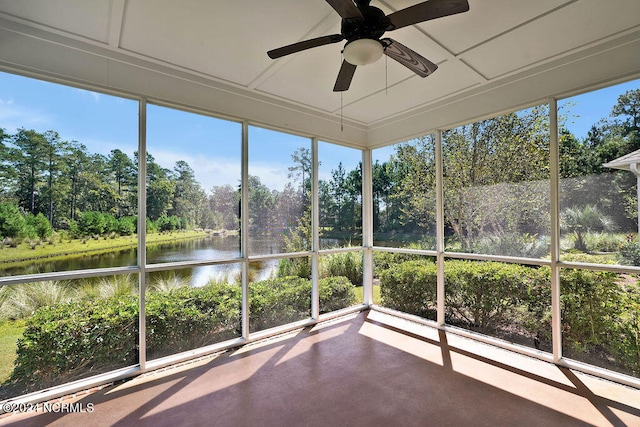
[(160, 187), (580, 221), (354, 199), (123, 172), (7, 172), (629, 105), (53, 146), (29, 159), (261, 208), (76, 165), (187, 193), (487, 166), (302, 168), (12, 222), (414, 194), (340, 193), (381, 185)]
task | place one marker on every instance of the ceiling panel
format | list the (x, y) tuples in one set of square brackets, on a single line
[(227, 40), (460, 32), (554, 34), (185, 51), (451, 78), (83, 18)]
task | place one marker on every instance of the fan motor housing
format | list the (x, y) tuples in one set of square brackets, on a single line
[(372, 25)]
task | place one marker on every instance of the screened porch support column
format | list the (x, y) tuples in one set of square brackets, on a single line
[(244, 230), (439, 230), (367, 227), (554, 153), (636, 172), (142, 231), (315, 234)]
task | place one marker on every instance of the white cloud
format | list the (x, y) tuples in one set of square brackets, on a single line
[(14, 116), (272, 175), (209, 172), (212, 171), (96, 96)]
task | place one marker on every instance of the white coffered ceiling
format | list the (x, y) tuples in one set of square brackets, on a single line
[(211, 55)]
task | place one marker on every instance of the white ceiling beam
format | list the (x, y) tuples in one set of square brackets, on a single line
[(115, 23)]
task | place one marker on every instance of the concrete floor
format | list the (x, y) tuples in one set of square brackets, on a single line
[(369, 369)]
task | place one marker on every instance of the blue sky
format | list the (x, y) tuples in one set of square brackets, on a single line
[(210, 146)]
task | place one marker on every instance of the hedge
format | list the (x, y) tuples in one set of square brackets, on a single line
[(74, 340), (600, 314), (410, 287)]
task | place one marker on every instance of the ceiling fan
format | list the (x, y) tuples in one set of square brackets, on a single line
[(364, 25)]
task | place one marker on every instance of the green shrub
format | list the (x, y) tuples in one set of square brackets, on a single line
[(582, 220), (40, 224), (282, 300), (277, 301), (187, 318), (626, 344), (630, 254), (347, 264), (590, 302), (66, 341), (385, 260), (604, 242), (169, 223), (126, 226), (480, 294), (12, 222), (95, 223), (410, 287), (588, 258), (513, 244), (336, 293), (298, 267)]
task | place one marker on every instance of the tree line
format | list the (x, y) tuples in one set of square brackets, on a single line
[(496, 175), (488, 165)]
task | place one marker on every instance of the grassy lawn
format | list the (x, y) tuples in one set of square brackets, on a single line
[(24, 254), (376, 294), (10, 331)]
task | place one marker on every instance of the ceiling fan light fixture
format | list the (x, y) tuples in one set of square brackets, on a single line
[(363, 51)]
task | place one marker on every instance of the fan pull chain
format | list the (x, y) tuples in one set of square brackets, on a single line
[(386, 76), (341, 116)]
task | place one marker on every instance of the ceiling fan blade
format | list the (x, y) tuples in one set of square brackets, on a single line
[(345, 8), (407, 57), (303, 45), (426, 11), (344, 77)]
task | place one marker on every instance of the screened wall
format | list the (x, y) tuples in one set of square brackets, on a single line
[(224, 245), (539, 232), (509, 230)]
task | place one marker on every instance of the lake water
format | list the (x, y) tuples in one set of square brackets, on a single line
[(206, 249)]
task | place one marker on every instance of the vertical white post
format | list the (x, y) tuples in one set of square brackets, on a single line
[(367, 227), (638, 199), (315, 234), (636, 172), (554, 153), (244, 230), (142, 230), (440, 230)]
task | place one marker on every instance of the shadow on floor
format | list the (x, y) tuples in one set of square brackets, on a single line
[(354, 372)]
